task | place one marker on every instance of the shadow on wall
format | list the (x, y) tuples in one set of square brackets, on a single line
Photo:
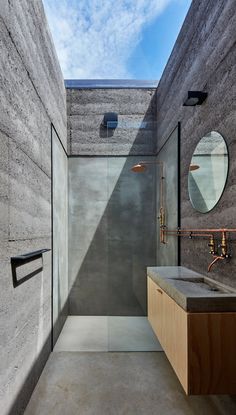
[(105, 132), (21, 274), (35, 348), (20, 402), (112, 229)]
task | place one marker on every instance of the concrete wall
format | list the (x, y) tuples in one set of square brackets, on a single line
[(111, 235), (60, 235), (203, 59), (111, 210), (31, 98), (135, 106)]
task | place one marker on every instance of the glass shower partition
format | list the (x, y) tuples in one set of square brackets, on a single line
[(112, 239), (131, 247)]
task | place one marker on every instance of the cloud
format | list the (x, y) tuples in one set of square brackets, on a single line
[(95, 38)]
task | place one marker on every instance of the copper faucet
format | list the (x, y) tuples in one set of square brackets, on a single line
[(224, 251), (216, 258), (223, 245), (212, 245)]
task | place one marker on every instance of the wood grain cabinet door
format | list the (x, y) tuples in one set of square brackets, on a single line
[(201, 347), (212, 353), (169, 322), (155, 308), (175, 338)]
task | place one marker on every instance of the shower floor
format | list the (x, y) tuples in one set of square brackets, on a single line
[(102, 333)]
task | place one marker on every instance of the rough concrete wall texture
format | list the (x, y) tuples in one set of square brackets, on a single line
[(32, 97), (203, 59), (60, 236), (135, 107), (107, 221), (27, 28)]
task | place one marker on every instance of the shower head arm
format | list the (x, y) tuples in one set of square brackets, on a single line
[(141, 167)]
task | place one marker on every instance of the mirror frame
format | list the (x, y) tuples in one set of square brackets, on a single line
[(226, 177)]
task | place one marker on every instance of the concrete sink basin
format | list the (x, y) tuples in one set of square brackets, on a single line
[(192, 291), (205, 284)]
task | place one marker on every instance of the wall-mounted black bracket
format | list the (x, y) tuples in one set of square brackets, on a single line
[(25, 258), (19, 260)]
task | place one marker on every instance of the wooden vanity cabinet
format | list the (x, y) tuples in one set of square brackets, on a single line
[(201, 347)]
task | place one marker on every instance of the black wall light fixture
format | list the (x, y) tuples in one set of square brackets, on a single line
[(110, 120), (195, 98)]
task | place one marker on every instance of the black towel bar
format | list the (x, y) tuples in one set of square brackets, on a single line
[(21, 259)]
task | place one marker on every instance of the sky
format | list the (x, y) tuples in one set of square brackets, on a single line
[(122, 39)]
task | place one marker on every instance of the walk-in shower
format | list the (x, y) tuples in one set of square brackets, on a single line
[(110, 213)]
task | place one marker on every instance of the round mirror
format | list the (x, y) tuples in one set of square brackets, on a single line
[(208, 172)]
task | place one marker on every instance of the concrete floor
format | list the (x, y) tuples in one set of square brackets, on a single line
[(77, 383), (103, 333)]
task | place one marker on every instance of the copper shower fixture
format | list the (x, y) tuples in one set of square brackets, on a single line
[(191, 233), (140, 168), (211, 233), (193, 167)]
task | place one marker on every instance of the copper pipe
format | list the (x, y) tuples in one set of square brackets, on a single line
[(179, 233), (204, 230), (149, 162), (160, 163), (140, 167), (162, 236), (162, 203), (203, 233), (162, 185), (216, 258)]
